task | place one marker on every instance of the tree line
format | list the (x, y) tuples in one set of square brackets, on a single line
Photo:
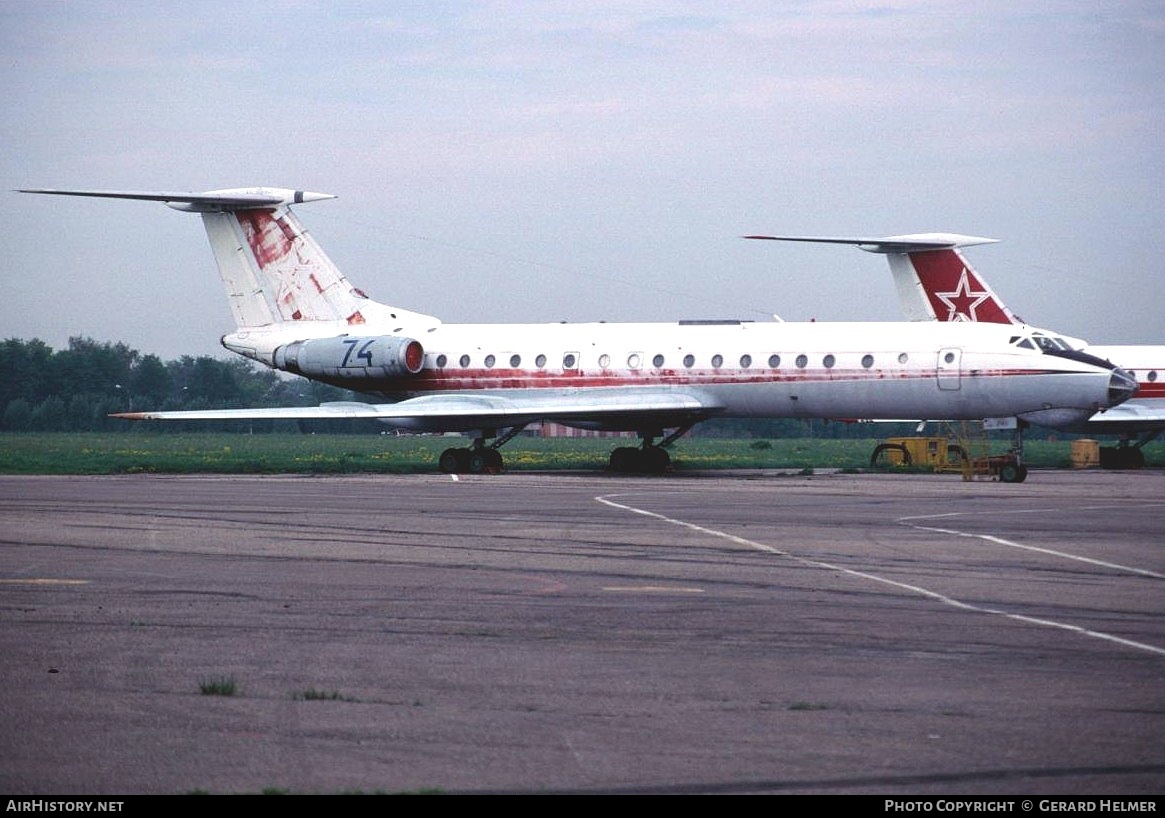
[(77, 388)]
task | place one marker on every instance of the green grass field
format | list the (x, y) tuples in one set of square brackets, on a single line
[(163, 453)]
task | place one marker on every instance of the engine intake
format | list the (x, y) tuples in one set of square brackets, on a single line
[(383, 356)]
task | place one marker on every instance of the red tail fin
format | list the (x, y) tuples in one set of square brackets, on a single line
[(955, 291)]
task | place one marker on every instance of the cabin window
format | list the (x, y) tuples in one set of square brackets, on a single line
[(604, 360), (949, 357), (689, 360), (441, 361), (745, 361), (717, 361), (903, 358), (657, 361), (569, 361), (867, 361), (489, 361), (515, 361), (633, 361), (540, 361), (464, 361), (774, 361), (802, 361), (1152, 376), (829, 361)]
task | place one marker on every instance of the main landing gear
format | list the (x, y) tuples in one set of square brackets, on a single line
[(478, 458), (650, 458), (475, 460), (1127, 454)]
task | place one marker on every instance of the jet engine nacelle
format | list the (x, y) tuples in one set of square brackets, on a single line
[(383, 356)]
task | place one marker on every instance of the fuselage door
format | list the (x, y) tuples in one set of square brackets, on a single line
[(949, 368)]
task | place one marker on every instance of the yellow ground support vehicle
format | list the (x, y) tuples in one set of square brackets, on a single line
[(942, 455)]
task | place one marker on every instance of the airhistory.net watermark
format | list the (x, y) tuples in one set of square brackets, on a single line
[(41, 805)]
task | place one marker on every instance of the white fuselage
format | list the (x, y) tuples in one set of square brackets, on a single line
[(746, 369)]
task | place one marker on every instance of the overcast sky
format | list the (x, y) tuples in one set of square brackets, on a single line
[(527, 161)]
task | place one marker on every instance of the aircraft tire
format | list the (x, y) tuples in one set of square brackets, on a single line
[(1121, 457), (655, 460), (450, 461), (493, 461), (625, 459), (478, 461), (1012, 473)]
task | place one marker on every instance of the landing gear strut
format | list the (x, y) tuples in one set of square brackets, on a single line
[(479, 458), (1012, 469)]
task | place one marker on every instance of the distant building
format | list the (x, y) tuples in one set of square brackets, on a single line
[(551, 429)]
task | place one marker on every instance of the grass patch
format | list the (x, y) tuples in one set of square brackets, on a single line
[(313, 695), (144, 452), (222, 686)]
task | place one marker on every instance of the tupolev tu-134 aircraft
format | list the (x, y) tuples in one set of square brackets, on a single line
[(296, 312), (935, 282)]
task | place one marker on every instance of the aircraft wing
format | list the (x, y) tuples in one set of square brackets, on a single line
[(1130, 415), (601, 408)]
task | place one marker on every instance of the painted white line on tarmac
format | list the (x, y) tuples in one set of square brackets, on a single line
[(43, 581), (905, 521), (916, 589)]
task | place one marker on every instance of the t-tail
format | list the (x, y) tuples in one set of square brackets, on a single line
[(277, 277), (934, 280)]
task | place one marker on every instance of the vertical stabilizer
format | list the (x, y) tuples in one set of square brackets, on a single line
[(275, 272), (949, 287)]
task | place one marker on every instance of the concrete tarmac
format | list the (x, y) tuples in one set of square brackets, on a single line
[(538, 633)]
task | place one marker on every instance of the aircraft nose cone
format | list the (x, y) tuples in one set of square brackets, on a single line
[(1121, 386)]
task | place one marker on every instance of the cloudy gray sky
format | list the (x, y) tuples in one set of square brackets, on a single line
[(536, 161)]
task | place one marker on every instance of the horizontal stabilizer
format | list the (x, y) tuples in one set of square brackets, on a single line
[(913, 243), (212, 201)]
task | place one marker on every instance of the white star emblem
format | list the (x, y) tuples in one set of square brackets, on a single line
[(963, 301)]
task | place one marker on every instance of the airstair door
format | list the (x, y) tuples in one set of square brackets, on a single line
[(949, 368)]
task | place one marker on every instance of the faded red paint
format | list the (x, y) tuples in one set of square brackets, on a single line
[(269, 239), (473, 379), (356, 318), (954, 291), (315, 281)]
